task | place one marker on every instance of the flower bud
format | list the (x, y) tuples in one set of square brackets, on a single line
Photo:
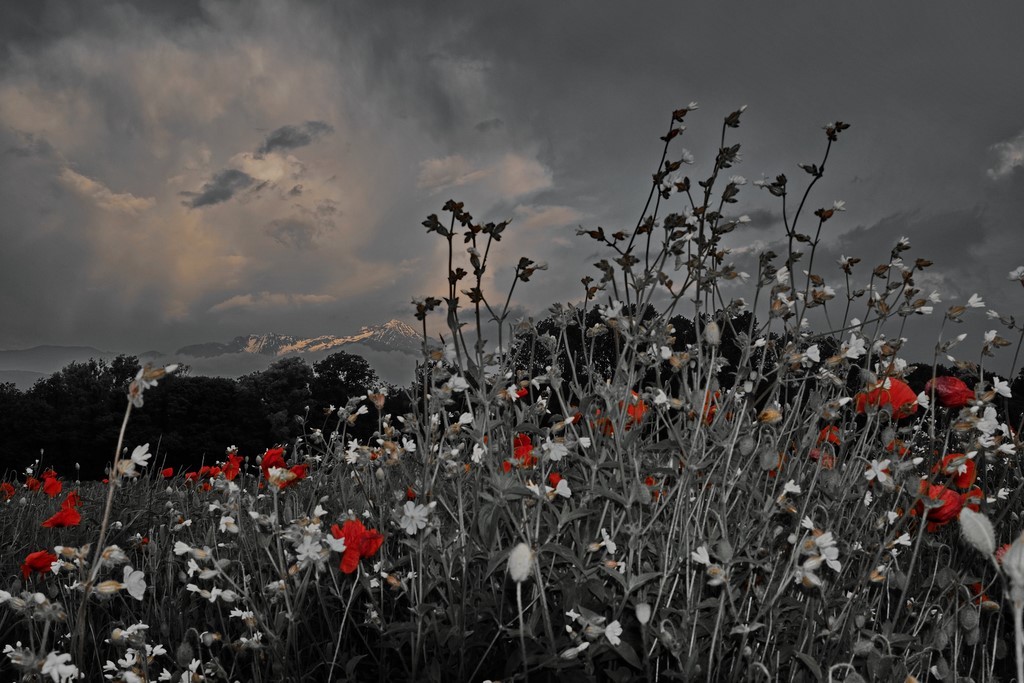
[(1013, 565), (977, 530), (643, 612), (520, 562), (712, 334)]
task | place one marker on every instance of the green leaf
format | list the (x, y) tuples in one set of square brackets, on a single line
[(811, 665), (564, 553), (640, 580), (627, 652)]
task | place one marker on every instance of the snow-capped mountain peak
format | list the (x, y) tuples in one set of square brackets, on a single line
[(393, 335)]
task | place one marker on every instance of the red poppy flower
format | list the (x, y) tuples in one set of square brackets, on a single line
[(634, 411), (899, 396), (39, 561), (167, 472), (232, 467), (973, 498), (951, 466), (66, 516), (830, 435), (506, 466), (73, 500), (951, 504), (32, 484), (950, 392), (410, 493), (298, 473), (49, 474), (897, 446), (192, 477), (522, 450), (52, 486), (554, 478), (274, 457), (209, 472), (7, 490), (360, 543), (710, 406), (982, 600)]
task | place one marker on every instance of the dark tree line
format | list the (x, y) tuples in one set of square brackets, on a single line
[(74, 415)]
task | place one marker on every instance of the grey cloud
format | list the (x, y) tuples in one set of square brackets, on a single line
[(293, 137), (221, 187), (489, 125), (763, 219)]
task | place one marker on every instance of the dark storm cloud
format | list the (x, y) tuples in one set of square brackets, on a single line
[(293, 232), (588, 94), (30, 145), (293, 137), (221, 187)]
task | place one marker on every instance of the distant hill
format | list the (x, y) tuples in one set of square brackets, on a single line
[(48, 359), (391, 348), (23, 379)]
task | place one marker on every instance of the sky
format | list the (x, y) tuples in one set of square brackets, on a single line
[(180, 172)]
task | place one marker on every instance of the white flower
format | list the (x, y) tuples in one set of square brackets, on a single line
[(923, 400), (141, 455), (612, 310), (227, 525), (855, 348), (608, 543), (1017, 274), (562, 488), (1002, 387), (135, 582), (839, 205), (813, 354), (791, 487), (414, 517), (520, 561), (975, 302), (458, 383), (612, 632), (700, 556), (988, 423), (58, 667), (335, 544), (876, 470), (308, 550), (555, 450)]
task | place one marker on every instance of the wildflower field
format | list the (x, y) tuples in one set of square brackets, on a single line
[(653, 484)]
